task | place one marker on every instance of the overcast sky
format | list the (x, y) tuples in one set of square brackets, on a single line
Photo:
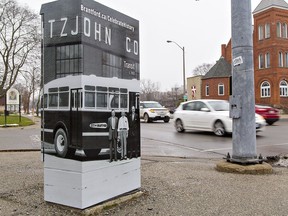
[(200, 26)]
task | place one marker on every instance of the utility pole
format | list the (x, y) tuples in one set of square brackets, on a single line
[(242, 101)]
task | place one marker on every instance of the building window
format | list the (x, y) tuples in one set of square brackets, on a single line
[(220, 89), (112, 65), (284, 30), (267, 30), (116, 66), (281, 30), (265, 89), (283, 89), (69, 60), (267, 60), (279, 33), (280, 59), (286, 59), (207, 90), (260, 32), (261, 61)]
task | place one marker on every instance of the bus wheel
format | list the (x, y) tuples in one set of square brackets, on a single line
[(61, 144), (92, 153)]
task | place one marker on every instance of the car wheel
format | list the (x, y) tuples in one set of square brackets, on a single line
[(146, 118), (61, 144), (179, 126), (92, 153), (166, 119), (219, 128), (269, 122)]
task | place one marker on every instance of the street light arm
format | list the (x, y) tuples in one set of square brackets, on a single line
[(169, 41)]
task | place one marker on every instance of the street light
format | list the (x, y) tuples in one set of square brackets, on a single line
[(183, 50)]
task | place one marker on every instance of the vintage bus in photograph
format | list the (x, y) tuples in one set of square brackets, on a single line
[(75, 111)]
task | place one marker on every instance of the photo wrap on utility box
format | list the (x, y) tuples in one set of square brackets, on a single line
[(91, 67), (91, 87)]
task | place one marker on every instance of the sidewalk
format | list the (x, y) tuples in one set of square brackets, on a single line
[(170, 186), (284, 116)]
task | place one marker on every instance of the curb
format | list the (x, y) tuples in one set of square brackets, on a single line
[(18, 150), (94, 210), (9, 125)]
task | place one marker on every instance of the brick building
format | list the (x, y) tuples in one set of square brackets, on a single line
[(270, 47), (270, 41), (216, 82)]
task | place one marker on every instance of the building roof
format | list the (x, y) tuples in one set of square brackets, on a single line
[(222, 68), (266, 4)]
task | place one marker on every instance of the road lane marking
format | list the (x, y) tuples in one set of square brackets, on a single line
[(173, 144), (258, 146), (206, 150), (219, 149), (278, 144)]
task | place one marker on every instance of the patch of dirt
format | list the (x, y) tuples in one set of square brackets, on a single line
[(278, 160)]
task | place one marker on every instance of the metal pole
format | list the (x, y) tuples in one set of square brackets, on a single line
[(19, 108), (242, 102), (5, 110), (184, 84), (42, 80), (183, 62)]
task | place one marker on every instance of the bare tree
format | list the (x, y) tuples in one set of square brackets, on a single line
[(32, 78), (175, 96), (18, 37), (202, 69), (149, 89)]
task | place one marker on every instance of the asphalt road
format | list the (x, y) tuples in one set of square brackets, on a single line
[(24, 138), (161, 139)]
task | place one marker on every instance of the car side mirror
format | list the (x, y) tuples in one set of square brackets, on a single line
[(205, 109)]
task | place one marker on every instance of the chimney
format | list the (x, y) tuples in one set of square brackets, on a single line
[(223, 50)]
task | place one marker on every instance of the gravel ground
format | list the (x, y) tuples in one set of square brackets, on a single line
[(171, 186)]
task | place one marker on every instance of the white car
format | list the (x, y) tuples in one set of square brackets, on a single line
[(208, 115), (152, 111)]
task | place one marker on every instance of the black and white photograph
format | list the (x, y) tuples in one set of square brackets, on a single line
[(95, 73)]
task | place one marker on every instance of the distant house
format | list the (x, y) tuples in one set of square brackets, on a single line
[(270, 50), (216, 84)]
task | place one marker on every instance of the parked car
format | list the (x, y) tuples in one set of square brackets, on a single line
[(208, 115), (270, 114), (152, 111)]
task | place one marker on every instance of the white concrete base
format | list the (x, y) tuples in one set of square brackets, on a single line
[(81, 184)]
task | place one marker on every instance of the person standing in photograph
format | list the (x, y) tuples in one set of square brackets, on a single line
[(123, 128), (112, 125), (133, 141)]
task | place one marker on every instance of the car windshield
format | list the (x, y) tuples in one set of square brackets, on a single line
[(152, 105), (219, 105)]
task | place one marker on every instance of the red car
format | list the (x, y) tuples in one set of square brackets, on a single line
[(270, 114)]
